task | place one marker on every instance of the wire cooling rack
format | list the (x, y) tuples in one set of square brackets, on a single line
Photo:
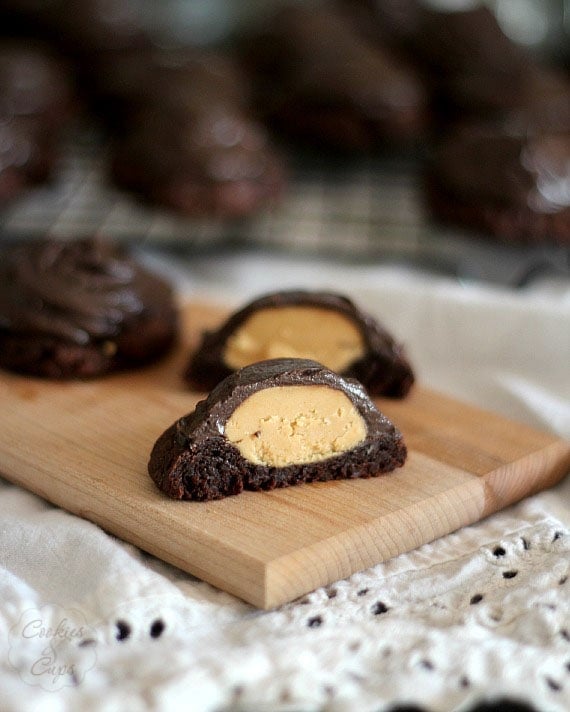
[(365, 209)]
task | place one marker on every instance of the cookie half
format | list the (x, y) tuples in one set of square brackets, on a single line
[(323, 326), (275, 423)]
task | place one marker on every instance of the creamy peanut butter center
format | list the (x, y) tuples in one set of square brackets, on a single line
[(323, 335), (291, 425)]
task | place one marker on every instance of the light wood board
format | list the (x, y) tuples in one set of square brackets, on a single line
[(85, 447)]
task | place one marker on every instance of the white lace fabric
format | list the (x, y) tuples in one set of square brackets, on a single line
[(481, 613)]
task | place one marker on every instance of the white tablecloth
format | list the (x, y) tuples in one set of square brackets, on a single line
[(90, 623)]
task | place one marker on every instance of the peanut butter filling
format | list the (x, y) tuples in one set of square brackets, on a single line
[(291, 425), (323, 335)]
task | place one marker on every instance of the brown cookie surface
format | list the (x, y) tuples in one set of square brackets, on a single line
[(469, 66), (275, 423)]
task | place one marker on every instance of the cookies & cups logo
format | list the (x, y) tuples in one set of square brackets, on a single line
[(52, 647)]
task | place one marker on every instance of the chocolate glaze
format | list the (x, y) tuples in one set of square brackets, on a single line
[(192, 459), (77, 291), (383, 369)]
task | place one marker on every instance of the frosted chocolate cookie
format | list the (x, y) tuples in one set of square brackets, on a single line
[(469, 65), (275, 423), (79, 309), (35, 104), (511, 186), (323, 326), (319, 80), (187, 139)]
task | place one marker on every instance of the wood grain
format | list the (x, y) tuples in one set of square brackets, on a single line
[(85, 446)]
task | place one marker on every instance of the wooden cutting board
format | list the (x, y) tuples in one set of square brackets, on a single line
[(85, 447)]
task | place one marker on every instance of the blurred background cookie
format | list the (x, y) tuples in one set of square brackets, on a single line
[(35, 102), (219, 114), (185, 137), (321, 80), (182, 132), (81, 309), (514, 186)]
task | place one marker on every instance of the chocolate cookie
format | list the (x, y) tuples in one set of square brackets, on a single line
[(80, 309), (321, 81), (188, 139), (513, 186), (35, 102), (323, 326), (182, 132), (275, 423), (470, 66)]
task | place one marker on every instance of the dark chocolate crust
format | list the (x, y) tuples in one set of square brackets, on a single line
[(80, 309), (383, 370), (193, 460)]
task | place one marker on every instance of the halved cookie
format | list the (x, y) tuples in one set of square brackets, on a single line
[(323, 326), (275, 423)]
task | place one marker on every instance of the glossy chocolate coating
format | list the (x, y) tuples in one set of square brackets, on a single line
[(78, 291), (192, 459), (80, 308), (383, 369)]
